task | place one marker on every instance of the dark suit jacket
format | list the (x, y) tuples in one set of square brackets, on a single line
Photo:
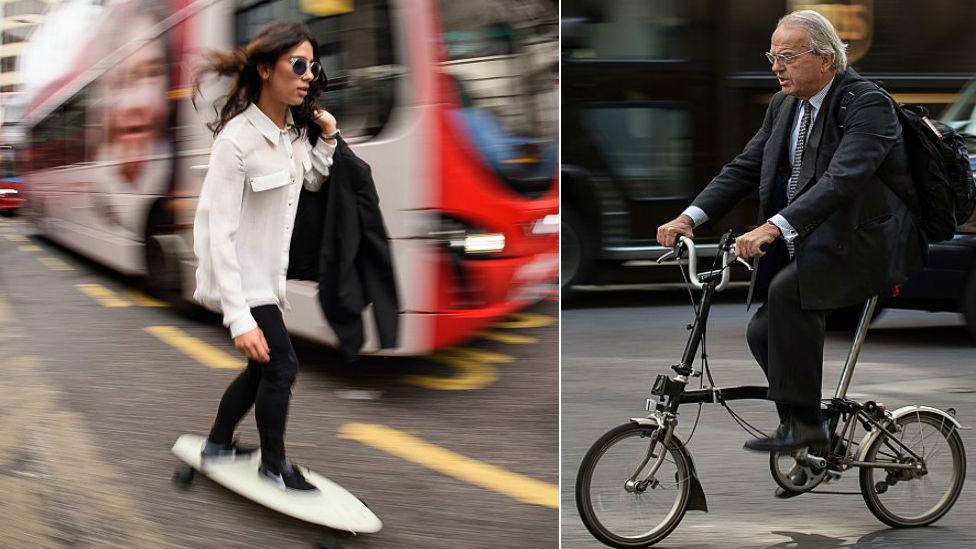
[(856, 238), (340, 241)]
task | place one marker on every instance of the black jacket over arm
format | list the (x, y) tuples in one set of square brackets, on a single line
[(856, 238), (340, 241)]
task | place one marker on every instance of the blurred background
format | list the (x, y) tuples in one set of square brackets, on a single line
[(454, 104), (657, 96)]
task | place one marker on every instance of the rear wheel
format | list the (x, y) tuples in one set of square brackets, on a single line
[(619, 503), (918, 496)]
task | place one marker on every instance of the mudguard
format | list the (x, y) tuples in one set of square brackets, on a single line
[(696, 496), (903, 411)]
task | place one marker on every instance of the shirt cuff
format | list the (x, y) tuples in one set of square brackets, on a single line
[(696, 214), (787, 230), (242, 325)]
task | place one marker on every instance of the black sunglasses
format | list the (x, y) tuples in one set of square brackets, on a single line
[(299, 65)]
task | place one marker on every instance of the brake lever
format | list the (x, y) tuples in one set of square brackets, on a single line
[(740, 260), (666, 256), (674, 253)]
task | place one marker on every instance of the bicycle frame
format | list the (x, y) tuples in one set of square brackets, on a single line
[(673, 390)]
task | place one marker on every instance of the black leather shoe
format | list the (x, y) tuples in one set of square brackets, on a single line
[(797, 435)]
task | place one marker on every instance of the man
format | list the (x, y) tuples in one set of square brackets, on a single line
[(832, 233)]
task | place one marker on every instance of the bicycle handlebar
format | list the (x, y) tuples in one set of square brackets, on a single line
[(727, 249)]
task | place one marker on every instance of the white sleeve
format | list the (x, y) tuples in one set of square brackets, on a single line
[(784, 226), (696, 214), (321, 155), (223, 188)]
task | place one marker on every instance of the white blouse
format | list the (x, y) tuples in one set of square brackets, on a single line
[(244, 218)]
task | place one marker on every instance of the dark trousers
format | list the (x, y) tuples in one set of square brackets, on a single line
[(787, 341), (266, 386)]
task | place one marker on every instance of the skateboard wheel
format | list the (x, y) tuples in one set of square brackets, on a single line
[(183, 476)]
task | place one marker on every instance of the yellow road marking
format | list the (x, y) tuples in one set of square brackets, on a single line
[(421, 452), (16, 237), (478, 355), (104, 296), (29, 248), (524, 320), (511, 339), (144, 300), (204, 353), (55, 264), (470, 375)]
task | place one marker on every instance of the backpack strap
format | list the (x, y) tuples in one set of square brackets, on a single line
[(852, 92)]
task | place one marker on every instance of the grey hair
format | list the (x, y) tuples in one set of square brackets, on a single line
[(823, 35)]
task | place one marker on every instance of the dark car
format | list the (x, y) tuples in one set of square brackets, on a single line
[(948, 281)]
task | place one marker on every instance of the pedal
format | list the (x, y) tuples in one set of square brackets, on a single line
[(831, 475), (815, 461)]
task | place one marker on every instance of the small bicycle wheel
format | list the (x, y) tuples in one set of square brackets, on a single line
[(620, 504), (911, 497), (792, 476)]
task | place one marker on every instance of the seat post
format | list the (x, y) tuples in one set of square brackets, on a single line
[(862, 330)]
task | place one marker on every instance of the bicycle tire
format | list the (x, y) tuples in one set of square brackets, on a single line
[(590, 515), (870, 477)]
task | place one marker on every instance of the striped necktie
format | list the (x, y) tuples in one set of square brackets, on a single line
[(801, 141)]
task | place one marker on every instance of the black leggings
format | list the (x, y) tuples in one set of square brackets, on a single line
[(266, 386)]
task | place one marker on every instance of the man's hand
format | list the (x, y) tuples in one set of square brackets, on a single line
[(668, 233), (253, 345), (748, 245)]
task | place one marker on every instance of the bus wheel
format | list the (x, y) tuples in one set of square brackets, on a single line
[(162, 266), (577, 251)]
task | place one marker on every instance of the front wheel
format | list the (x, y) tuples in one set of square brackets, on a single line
[(620, 503), (918, 496)]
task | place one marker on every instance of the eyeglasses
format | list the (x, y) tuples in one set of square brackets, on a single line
[(300, 65), (784, 59)]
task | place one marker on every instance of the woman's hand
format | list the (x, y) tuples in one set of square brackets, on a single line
[(325, 120), (253, 345)]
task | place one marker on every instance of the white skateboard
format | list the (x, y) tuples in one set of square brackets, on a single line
[(333, 506)]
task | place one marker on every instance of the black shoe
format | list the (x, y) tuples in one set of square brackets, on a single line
[(287, 477), (218, 453), (795, 436)]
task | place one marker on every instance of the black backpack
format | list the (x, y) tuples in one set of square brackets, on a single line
[(945, 192)]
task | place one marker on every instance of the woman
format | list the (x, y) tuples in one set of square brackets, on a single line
[(270, 139)]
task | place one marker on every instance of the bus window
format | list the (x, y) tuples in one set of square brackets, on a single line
[(647, 148), (501, 62), (74, 130), (47, 142), (356, 51), (622, 29)]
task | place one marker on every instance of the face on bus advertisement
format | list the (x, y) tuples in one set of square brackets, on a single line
[(136, 113), (133, 147)]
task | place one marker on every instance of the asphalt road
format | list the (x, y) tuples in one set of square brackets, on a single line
[(93, 393), (614, 345)]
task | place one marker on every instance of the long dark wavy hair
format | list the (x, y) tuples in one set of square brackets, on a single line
[(271, 42)]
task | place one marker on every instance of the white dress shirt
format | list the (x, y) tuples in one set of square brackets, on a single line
[(244, 218), (785, 228)]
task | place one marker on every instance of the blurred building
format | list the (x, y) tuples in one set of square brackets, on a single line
[(18, 20)]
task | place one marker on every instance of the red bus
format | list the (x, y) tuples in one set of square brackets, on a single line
[(451, 104)]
